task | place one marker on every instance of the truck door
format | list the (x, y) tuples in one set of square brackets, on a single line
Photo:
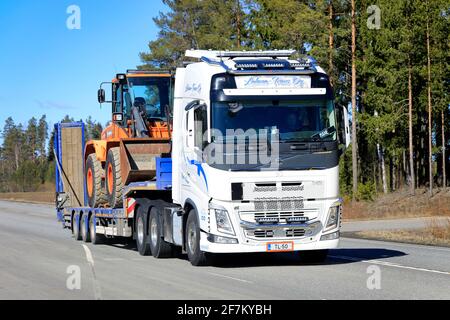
[(195, 128)]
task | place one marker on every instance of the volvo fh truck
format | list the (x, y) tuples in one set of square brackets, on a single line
[(252, 164)]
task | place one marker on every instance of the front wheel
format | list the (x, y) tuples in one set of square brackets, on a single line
[(113, 178), (195, 255)]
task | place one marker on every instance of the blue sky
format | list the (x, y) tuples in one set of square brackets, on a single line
[(48, 69)]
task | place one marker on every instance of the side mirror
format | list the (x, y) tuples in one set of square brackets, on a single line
[(347, 135), (101, 96)]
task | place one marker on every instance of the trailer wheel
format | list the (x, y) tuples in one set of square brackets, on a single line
[(159, 247), (95, 192), (314, 256), (85, 234), (95, 237), (76, 226), (195, 255), (113, 180), (141, 232)]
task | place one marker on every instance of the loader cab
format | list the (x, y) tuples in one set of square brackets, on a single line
[(149, 92)]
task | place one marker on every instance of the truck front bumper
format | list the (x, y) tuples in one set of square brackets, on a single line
[(248, 246)]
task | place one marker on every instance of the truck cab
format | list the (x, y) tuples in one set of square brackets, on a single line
[(256, 142)]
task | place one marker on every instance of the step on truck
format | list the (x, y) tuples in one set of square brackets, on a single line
[(236, 152)]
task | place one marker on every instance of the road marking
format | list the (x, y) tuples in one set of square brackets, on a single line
[(228, 277), (89, 257), (389, 264), (90, 260), (399, 244)]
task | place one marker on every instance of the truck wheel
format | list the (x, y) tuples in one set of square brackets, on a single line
[(195, 255), (76, 226), (95, 237), (159, 247), (95, 192), (85, 235), (141, 233), (113, 180), (314, 256)]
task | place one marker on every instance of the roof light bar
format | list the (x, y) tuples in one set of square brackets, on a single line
[(134, 71), (268, 53), (236, 54)]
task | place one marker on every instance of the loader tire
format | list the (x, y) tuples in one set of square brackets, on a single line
[(113, 180), (96, 194)]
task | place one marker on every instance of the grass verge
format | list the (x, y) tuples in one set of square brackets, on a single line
[(436, 233)]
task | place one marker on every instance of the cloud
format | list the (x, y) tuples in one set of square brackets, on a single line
[(54, 105)]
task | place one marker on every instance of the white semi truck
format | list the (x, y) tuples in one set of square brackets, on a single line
[(253, 167)]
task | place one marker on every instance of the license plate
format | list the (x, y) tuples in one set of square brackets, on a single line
[(280, 246)]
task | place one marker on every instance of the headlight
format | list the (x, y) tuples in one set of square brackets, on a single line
[(223, 221), (333, 216)]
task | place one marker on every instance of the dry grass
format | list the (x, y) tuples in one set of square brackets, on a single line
[(40, 197), (436, 233), (400, 205)]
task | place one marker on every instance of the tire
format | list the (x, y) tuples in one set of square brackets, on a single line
[(76, 226), (314, 256), (192, 234), (95, 237), (113, 178), (158, 247), (95, 192), (84, 228), (142, 242)]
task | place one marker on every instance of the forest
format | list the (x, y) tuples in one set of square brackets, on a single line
[(388, 62)]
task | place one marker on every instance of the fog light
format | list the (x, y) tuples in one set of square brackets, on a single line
[(330, 236), (222, 240)]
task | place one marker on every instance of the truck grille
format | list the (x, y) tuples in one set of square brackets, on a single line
[(279, 205), (282, 233)]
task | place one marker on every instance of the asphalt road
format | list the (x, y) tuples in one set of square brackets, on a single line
[(36, 255)]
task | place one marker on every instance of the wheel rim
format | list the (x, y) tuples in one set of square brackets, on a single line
[(140, 230), (83, 227), (192, 238), (75, 225), (110, 178), (154, 232), (90, 182), (92, 228)]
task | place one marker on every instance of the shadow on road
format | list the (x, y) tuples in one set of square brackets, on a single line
[(248, 260), (335, 257)]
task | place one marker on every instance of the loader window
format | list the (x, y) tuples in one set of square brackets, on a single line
[(155, 92)]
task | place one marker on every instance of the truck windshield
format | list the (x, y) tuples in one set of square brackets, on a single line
[(293, 120), (153, 93)]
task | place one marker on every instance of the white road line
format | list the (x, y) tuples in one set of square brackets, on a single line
[(389, 264), (223, 276), (89, 257), (399, 244), (90, 260)]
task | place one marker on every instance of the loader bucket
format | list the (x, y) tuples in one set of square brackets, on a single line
[(138, 158)]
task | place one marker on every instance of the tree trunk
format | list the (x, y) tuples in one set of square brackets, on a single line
[(383, 167), (330, 42), (354, 139), (444, 156), (430, 120), (411, 150)]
